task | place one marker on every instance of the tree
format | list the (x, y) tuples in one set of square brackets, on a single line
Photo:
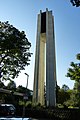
[(65, 87), (71, 101), (75, 2), (57, 92), (21, 89), (74, 70), (11, 85), (14, 51), (74, 74), (62, 95), (2, 84)]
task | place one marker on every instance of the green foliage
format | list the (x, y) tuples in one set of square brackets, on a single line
[(74, 71), (29, 104), (21, 89), (11, 85), (74, 99), (74, 74), (14, 51), (1, 84), (75, 2), (63, 94), (78, 56), (65, 87)]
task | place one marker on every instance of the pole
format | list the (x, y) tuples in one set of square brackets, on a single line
[(25, 97), (27, 80)]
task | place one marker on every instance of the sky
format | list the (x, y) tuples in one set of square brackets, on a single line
[(22, 14)]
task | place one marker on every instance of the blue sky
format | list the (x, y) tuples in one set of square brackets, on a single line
[(23, 15)]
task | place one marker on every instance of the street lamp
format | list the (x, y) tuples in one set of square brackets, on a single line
[(25, 97), (27, 79)]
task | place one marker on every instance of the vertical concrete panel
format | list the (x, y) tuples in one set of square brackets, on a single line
[(41, 69), (50, 61), (36, 69)]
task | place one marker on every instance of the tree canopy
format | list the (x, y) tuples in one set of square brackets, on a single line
[(74, 74), (14, 51), (75, 2), (74, 70), (11, 85)]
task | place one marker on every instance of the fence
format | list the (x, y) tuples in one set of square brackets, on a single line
[(52, 114)]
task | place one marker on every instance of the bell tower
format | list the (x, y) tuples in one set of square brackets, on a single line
[(45, 61)]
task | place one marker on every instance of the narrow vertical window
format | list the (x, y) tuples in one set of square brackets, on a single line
[(43, 22)]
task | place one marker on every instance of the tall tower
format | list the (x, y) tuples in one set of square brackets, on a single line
[(45, 62)]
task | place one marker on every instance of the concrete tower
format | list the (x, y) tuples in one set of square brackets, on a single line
[(45, 63)]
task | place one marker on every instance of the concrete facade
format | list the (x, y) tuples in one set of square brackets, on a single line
[(45, 62)]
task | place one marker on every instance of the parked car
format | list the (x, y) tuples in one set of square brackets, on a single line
[(7, 110)]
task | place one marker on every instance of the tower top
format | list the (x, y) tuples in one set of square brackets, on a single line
[(45, 11)]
